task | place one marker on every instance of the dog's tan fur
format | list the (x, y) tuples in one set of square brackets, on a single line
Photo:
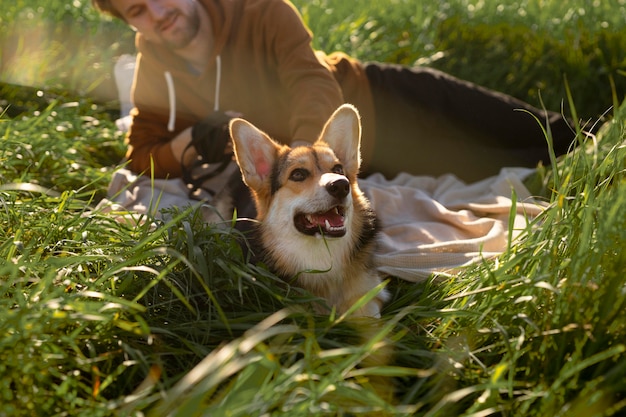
[(286, 182)]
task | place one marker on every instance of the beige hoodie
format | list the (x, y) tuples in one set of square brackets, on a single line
[(262, 66)]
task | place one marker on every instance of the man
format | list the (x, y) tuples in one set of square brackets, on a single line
[(202, 61)]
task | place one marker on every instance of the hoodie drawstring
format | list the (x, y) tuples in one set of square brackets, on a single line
[(218, 82), (171, 93)]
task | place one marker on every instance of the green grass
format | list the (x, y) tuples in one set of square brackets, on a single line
[(101, 318)]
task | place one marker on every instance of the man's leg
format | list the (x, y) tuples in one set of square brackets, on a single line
[(456, 126)]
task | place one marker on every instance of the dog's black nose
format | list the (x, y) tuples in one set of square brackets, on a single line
[(338, 188)]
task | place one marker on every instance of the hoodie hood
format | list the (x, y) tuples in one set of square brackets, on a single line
[(222, 15)]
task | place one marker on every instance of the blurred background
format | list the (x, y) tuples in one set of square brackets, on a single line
[(527, 48)]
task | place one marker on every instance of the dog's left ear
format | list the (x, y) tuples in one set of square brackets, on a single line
[(342, 133), (255, 152)]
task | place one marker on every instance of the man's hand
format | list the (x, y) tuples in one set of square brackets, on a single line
[(210, 138)]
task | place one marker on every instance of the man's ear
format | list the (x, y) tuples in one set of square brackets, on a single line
[(255, 152), (342, 133)]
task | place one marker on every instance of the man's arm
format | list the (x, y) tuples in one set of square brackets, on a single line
[(312, 90)]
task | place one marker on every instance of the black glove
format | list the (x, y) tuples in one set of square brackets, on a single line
[(210, 137)]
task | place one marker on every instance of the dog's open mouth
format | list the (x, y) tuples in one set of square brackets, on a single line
[(330, 223)]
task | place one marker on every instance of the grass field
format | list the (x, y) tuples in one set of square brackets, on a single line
[(99, 318)]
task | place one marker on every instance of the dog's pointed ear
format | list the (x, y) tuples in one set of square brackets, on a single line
[(342, 133), (255, 152)]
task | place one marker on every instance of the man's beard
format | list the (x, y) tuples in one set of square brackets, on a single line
[(184, 35)]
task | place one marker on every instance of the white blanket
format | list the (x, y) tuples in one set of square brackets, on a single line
[(436, 225), (429, 225)]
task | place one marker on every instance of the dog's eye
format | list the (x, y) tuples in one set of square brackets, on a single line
[(337, 169), (299, 174)]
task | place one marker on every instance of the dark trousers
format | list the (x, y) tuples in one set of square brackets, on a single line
[(430, 123)]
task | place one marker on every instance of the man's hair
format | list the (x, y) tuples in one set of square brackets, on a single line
[(105, 6)]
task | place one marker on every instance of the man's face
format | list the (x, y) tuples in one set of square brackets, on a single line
[(174, 23)]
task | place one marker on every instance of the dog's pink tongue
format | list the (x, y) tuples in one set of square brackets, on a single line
[(331, 216)]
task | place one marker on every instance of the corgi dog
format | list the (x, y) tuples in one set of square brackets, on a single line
[(314, 223)]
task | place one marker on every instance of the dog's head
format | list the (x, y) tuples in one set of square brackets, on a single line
[(309, 188)]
